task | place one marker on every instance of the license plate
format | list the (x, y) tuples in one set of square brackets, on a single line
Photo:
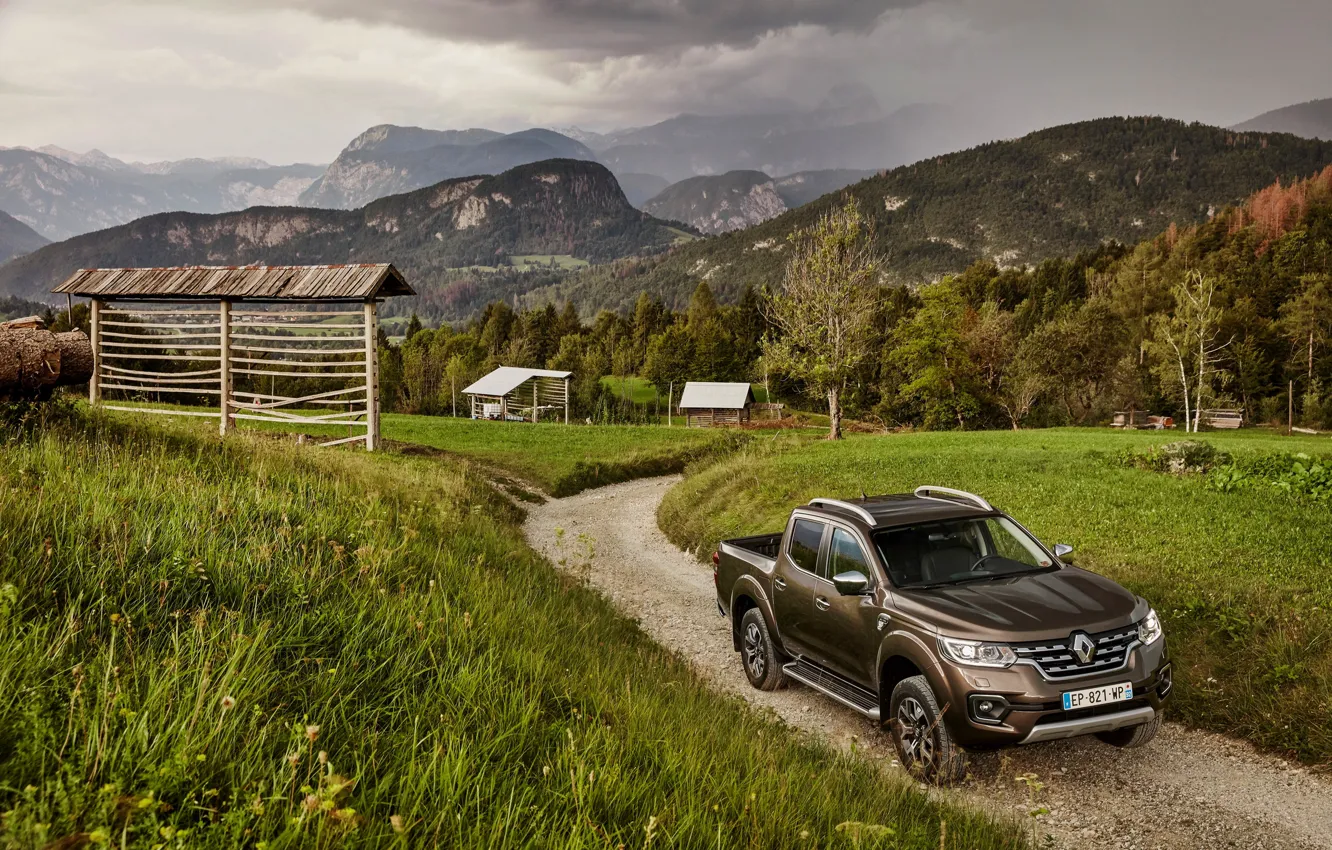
[(1092, 697)]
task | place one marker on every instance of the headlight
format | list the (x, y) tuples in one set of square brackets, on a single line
[(1149, 630), (975, 653)]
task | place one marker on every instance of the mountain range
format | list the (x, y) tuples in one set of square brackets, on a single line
[(1051, 193), (1312, 120), (17, 238), (68, 194), (557, 207)]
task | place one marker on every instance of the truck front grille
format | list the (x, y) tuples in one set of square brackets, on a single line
[(1057, 660)]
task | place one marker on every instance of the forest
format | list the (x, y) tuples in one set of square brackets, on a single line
[(1232, 313)]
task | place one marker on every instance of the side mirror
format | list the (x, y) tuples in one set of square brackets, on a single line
[(851, 584), (1063, 550)]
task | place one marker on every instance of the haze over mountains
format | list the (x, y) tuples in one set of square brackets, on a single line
[(17, 238), (1312, 120), (62, 194)]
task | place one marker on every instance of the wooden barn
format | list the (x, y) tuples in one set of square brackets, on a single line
[(707, 403), (515, 394)]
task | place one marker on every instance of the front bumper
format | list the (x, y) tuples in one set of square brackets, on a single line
[(1033, 705)]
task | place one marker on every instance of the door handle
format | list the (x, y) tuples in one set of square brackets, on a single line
[(822, 603), (779, 583)]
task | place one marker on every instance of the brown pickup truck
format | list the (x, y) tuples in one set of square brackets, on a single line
[(942, 615)]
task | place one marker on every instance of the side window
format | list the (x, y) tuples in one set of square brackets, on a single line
[(804, 547), (845, 555)]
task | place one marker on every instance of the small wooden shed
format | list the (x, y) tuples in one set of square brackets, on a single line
[(512, 393), (708, 403)]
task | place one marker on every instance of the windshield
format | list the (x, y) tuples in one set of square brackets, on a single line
[(959, 551)]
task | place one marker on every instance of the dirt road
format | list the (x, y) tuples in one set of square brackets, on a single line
[(1185, 790)]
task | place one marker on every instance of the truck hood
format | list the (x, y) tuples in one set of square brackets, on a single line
[(1030, 607)]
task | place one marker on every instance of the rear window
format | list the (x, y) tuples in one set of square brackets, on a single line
[(804, 548)]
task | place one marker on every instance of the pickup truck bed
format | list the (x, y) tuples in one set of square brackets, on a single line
[(759, 551)]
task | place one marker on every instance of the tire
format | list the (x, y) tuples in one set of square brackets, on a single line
[(924, 745), (1132, 736), (761, 660)]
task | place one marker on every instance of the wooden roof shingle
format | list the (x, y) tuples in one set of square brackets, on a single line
[(240, 283)]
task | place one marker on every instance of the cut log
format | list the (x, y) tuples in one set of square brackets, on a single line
[(34, 361)]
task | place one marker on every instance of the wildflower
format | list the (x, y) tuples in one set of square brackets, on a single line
[(312, 732), (311, 802), (228, 703), (323, 756), (396, 822), (293, 759), (467, 619), (545, 771)]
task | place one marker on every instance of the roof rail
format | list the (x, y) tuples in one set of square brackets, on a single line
[(846, 506), (924, 493)]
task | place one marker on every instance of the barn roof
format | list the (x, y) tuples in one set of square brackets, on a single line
[(708, 394), (241, 283), (506, 379)]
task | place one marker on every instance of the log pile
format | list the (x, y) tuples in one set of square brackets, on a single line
[(34, 361)]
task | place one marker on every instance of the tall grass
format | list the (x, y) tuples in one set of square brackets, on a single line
[(1243, 579), (249, 644)]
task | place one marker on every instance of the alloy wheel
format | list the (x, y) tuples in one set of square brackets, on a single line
[(915, 731), (755, 660)]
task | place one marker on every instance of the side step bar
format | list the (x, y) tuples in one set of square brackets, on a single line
[(848, 693)]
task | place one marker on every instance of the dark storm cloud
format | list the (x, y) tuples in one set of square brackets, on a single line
[(616, 27)]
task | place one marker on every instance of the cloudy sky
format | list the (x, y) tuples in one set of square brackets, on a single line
[(294, 80)]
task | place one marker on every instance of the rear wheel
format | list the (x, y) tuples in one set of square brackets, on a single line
[(923, 744), (1133, 736), (761, 660)]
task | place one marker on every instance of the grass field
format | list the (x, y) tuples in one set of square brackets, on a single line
[(242, 643), (560, 459), (1243, 579), (566, 262), (564, 459)]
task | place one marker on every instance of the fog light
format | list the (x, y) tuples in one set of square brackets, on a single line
[(988, 709)]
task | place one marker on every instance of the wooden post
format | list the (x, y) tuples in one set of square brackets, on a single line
[(95, 332), (536, 382), (1290, 409), (227, 424), (566, 400), (371, 377), (670, 404)]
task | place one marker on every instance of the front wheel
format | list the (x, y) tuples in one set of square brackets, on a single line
[(923, 744), (1133, 736), (762, 662)]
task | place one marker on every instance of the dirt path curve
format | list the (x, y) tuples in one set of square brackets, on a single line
[(1185, 790)]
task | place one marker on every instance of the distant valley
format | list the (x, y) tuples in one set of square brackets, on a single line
[(554, 208), (740, 199)]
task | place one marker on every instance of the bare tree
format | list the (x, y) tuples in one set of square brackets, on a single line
[(1021, 384), (1189, 336), (824, 314)]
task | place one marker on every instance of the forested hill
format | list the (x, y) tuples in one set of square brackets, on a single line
[(1015, 203), (17, 238), (563, 207)]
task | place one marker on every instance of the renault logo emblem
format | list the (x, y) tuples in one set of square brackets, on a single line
[(1083, 648)]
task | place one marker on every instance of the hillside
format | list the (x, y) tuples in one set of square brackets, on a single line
[(389, 160), (17, 238), (1051, 193), (739, 199), (563, 207), (60, 198), (1312, 120)]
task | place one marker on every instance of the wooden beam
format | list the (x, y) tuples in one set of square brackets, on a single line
[(95, 331), (566, 400), (371, 377), (228, 422)]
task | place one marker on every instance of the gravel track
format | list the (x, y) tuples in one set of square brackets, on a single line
[(1185, 790)]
